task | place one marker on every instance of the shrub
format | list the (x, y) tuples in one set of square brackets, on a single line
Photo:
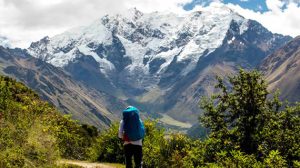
[(33, 133), (237, 159), (275, 160), (152, 144), (107, 147)]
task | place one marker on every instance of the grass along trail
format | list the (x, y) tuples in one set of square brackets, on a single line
[(86, 164)]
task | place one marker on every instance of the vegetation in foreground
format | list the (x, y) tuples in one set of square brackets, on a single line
[(248, 128), (33, 133)]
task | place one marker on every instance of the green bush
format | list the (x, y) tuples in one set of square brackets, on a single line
[(152, 144), (237, 159), (177, 150), (248, 126), (40, 147), (24, 143), (275, 160), (73, 139), (33, 133), (296, 163), (247, 129), (107, 147)]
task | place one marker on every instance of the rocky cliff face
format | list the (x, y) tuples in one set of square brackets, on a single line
[(282, 70), (161, 62)]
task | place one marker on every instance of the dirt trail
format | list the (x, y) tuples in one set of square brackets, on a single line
[(85, 164)]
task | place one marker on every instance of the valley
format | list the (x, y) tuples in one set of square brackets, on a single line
[(160, 65)]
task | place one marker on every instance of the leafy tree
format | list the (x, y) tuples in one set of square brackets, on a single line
[(248, 128), (240, 111), (282, 134), (243, 117)]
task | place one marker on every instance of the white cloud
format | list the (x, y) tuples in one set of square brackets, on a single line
[(275, 5), (279, 19), (24, 21)]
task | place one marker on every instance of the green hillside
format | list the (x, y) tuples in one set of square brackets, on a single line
[(33, 133), (248, 127)]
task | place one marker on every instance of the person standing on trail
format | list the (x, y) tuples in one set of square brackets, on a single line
[(132, 132)]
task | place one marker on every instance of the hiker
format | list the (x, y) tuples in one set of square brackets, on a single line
[(132, 132)]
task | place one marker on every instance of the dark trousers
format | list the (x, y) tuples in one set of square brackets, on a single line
[(137, 153)]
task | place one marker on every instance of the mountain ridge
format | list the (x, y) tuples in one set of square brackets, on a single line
[(54, 85), (162, 63), (281, 70), (4, 42)]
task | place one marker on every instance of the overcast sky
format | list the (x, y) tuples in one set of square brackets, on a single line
[(24, 21)]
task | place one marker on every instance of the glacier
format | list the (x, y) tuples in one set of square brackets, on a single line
[(145, 36)]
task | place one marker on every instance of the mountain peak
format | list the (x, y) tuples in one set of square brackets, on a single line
[(131, 14), (147, 43), (159, 56), (134, 13), (4, 42), (143, 36)]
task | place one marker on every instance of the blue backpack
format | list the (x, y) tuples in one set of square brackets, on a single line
[(133, 126)]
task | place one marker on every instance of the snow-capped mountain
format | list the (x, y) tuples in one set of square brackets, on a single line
[(162, 62), (4, 42), (145, 43), (87, 105)]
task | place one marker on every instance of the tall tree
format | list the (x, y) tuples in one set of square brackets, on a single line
[(241, 109)]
